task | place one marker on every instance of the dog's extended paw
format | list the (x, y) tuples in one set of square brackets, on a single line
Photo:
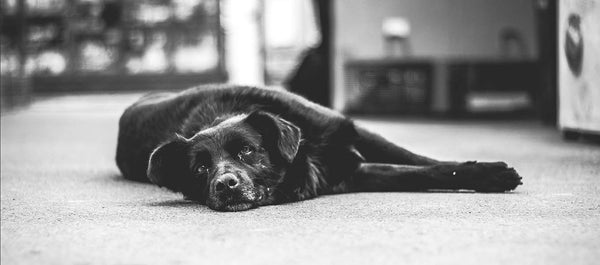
[(484, 176), (497, 179), (493, 177)]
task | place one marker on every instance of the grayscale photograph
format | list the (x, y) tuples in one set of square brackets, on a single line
[(300, 132)]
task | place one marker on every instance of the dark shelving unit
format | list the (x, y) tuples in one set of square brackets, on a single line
[(77, 45)]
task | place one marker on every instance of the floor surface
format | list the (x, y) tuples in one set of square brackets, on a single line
[(64, 202)]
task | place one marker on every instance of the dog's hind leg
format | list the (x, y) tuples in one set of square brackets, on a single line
[(376, 149), (482, 177)]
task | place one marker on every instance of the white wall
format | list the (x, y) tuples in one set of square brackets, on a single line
[(242, 41), (440, 28)]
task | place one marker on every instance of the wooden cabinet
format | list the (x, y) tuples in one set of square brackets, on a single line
[(446, 86), (388, 86)]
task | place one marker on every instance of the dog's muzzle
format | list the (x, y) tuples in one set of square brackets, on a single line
[(230, 192)]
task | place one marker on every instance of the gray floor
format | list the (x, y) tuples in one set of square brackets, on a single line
[(63, 202)]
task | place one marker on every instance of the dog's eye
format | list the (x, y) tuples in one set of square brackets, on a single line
[(245, 151), (202, 169)]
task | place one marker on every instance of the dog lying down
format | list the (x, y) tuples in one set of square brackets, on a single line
[(234, 148)]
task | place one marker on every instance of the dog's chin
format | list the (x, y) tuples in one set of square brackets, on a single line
[(236, 207), (242, 204), (232, 206)]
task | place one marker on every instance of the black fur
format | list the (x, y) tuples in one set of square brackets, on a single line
[(267, 147)]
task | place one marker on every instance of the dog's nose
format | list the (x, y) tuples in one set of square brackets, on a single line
[(226, 181)]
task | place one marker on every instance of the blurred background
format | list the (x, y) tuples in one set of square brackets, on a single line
[(457, 80), (445, 59)]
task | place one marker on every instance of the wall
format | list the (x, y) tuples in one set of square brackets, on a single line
[(287, 24), (440, 28), (242, 41)]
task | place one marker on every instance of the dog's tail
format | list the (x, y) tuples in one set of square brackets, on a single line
[(376, 149)]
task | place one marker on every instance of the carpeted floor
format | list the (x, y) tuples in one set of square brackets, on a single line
[(63, 202)]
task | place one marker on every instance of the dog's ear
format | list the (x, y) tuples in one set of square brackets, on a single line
[(277, 133), (169, 164)]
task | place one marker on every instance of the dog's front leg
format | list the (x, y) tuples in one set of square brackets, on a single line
[(482, 177)]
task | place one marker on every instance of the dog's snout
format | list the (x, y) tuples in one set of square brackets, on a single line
[(225, 182)]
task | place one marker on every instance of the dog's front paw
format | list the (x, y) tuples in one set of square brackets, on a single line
[(484, 176), (493, 177), (496, 178)]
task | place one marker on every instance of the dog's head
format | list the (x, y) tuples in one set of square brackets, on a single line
[(233, 165)]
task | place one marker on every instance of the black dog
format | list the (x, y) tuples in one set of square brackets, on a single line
[(235, 148)]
